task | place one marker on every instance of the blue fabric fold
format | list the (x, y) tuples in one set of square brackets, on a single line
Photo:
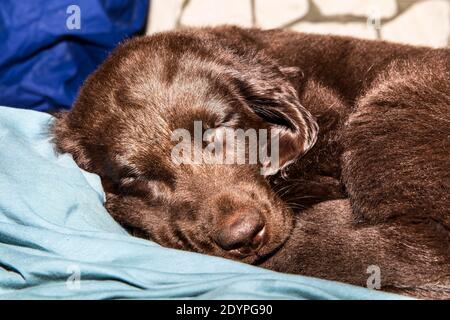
[(45, 57)]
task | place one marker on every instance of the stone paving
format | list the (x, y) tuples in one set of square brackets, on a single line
[(420, 22)]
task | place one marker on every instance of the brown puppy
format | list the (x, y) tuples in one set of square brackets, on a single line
[(383, 111)]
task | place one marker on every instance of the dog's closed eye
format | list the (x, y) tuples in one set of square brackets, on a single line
[(152, 190)]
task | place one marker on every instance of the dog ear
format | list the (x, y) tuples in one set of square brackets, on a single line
[(67, 140), (269, 94)]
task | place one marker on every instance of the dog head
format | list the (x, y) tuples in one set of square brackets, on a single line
[(132, 112)]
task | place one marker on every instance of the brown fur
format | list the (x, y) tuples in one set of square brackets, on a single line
[(383, 148)]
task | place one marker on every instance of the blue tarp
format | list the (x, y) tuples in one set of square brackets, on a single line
[(45, 54), (58, 241)]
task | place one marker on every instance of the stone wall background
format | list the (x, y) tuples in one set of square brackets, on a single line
[(419, 22)]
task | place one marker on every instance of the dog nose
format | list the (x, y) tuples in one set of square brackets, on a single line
[(243, 230)]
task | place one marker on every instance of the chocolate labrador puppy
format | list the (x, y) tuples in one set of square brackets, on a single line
[(361, 187)]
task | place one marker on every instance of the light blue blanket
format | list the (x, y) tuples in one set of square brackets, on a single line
[(57, 240)]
